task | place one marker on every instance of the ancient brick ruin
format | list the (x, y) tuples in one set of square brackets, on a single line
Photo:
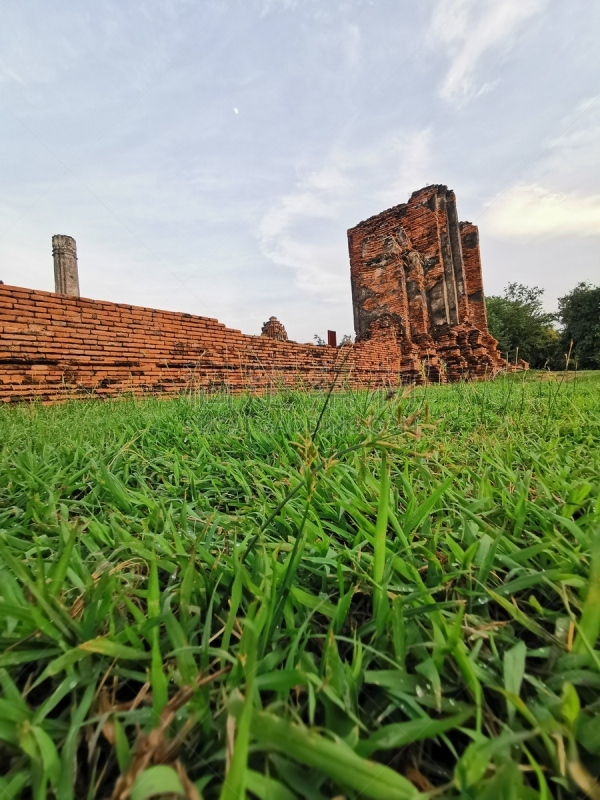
[(274, 330), (416, 277), (66, 276), (419, 315)]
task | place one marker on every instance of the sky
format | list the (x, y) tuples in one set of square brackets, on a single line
[(208, 156)]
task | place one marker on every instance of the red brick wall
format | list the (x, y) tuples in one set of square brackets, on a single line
[(419, 314), (54, 347), (410, 276)]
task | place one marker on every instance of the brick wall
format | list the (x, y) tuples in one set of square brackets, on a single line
[(419, 314), (54, 347), (416, 272)]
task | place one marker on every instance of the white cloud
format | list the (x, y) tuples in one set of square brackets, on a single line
[(530, 211), (270, 6), (123, 48), (318, 197), (331, 32), (577, 148), (414, 154), (467, 29), (23, 62), (351, 44), (304, 231), (560, 195)]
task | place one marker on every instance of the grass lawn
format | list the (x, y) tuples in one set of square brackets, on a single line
[(204, 597)]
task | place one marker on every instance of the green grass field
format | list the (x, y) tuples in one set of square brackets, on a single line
[(202, 597)]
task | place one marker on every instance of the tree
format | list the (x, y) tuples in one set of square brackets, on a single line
[(522, 327), (579, 314)]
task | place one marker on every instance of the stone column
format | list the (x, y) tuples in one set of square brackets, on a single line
[(66, 278), (447, 258), (469, 235), (457, 257)]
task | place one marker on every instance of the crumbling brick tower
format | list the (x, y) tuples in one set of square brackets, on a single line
[(416, 281)]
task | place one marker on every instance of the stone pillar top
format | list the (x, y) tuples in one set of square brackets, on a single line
[(61, 240)]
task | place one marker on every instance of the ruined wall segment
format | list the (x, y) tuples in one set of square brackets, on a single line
[(415, 268), (54, 347)]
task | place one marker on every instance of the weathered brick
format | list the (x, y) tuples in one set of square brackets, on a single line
[(412, 283)]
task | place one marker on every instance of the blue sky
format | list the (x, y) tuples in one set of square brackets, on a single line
[(209, 156)]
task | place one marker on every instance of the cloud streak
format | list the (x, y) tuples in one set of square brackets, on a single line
[(411, 165), (531, 211), (324, 200), (560, 198), (282, 230), (468, 29)]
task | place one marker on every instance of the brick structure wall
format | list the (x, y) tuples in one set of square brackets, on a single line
[(410, 276), (54, 347), (419, 314)]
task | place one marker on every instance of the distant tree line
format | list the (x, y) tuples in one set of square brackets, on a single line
[(525, 330)]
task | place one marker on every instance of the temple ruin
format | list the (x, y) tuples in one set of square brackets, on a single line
[(416, 276), (274, 330), (419, 314)]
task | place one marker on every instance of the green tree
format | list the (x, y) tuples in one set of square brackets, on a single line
[(579, 314), (522, 327)]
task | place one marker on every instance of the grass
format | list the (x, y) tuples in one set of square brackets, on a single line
[(200, 598)]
